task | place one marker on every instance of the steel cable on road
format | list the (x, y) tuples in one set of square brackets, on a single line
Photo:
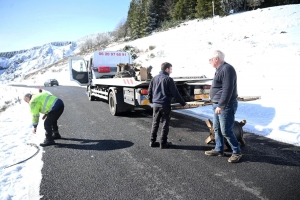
[(31, 144)]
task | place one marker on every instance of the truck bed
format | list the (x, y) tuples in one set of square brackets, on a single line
[(131, 82)]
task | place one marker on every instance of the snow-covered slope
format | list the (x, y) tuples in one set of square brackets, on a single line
[(27, 61), (263, 45)]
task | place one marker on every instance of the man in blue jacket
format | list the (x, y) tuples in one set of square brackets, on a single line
[(160, 92), (223, 94)]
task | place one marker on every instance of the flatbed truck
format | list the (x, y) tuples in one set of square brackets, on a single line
[(125, 93)]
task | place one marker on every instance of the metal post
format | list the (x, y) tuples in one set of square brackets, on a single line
[(213, 8)]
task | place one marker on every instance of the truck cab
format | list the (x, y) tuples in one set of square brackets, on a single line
[(101, 64)]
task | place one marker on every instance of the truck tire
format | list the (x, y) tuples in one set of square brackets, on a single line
[(114, 108), (91, 97)]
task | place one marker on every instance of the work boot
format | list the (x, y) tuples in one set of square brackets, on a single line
[(235, 157), (152, 144), (47, 143), (214, 153), (56, 135)]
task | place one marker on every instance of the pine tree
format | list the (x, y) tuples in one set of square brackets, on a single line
[(185, 9), (190, 9), (168, 9), (158, 12), (137, 22), (146, 18), (130, 16), (254, 3), (178, 10), (204, 8), (134, 18)]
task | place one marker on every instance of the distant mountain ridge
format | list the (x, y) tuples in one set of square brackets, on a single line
[(17, 64), (12, 53)]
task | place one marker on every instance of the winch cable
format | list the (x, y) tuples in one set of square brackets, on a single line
[(31, 144)]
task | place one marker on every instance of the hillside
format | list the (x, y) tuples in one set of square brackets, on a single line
[(19, 63), (261, 45)]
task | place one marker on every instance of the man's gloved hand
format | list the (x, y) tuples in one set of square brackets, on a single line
[(45, 115)]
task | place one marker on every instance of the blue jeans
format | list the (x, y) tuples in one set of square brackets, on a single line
[(223, 126)]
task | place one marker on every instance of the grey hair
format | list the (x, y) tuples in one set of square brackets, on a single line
[(219, 54), (28, 95)]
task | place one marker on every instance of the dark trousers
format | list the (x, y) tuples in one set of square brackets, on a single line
[(163, 115), (50, 123)]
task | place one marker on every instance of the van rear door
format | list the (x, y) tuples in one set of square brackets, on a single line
[(78, 70)]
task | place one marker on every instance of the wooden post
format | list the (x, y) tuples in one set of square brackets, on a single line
[(211, 137)]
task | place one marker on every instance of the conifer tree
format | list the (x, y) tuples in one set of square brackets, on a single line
[(168, 9), (185, 9), (130, 16), (179, 10), (204, 8), (158, 11), (147, 18), (190, 8), (134, 18)]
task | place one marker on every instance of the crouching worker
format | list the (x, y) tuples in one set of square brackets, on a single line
[(52, 108)]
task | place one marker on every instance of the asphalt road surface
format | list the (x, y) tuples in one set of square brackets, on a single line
[(107, 157)]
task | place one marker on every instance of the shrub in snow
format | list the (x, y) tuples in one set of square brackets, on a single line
[(151, 47), (152, 55)]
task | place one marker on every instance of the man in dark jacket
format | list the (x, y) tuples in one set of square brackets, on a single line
[(223, 94), (160, 92)]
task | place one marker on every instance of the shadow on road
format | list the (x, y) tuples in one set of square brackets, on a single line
[(265, 150), (288, 156), (100, 145), (190, 147), (257, 149), (185, 147)]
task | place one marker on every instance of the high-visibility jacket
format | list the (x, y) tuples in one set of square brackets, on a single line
[(41, 103)]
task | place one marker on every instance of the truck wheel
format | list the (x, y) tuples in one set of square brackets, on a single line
[(113, 106), (91, 97)]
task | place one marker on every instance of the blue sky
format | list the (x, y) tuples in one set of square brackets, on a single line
[(28, 23)]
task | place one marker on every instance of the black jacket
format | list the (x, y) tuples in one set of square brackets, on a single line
[(224, 86), (161, 90)]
